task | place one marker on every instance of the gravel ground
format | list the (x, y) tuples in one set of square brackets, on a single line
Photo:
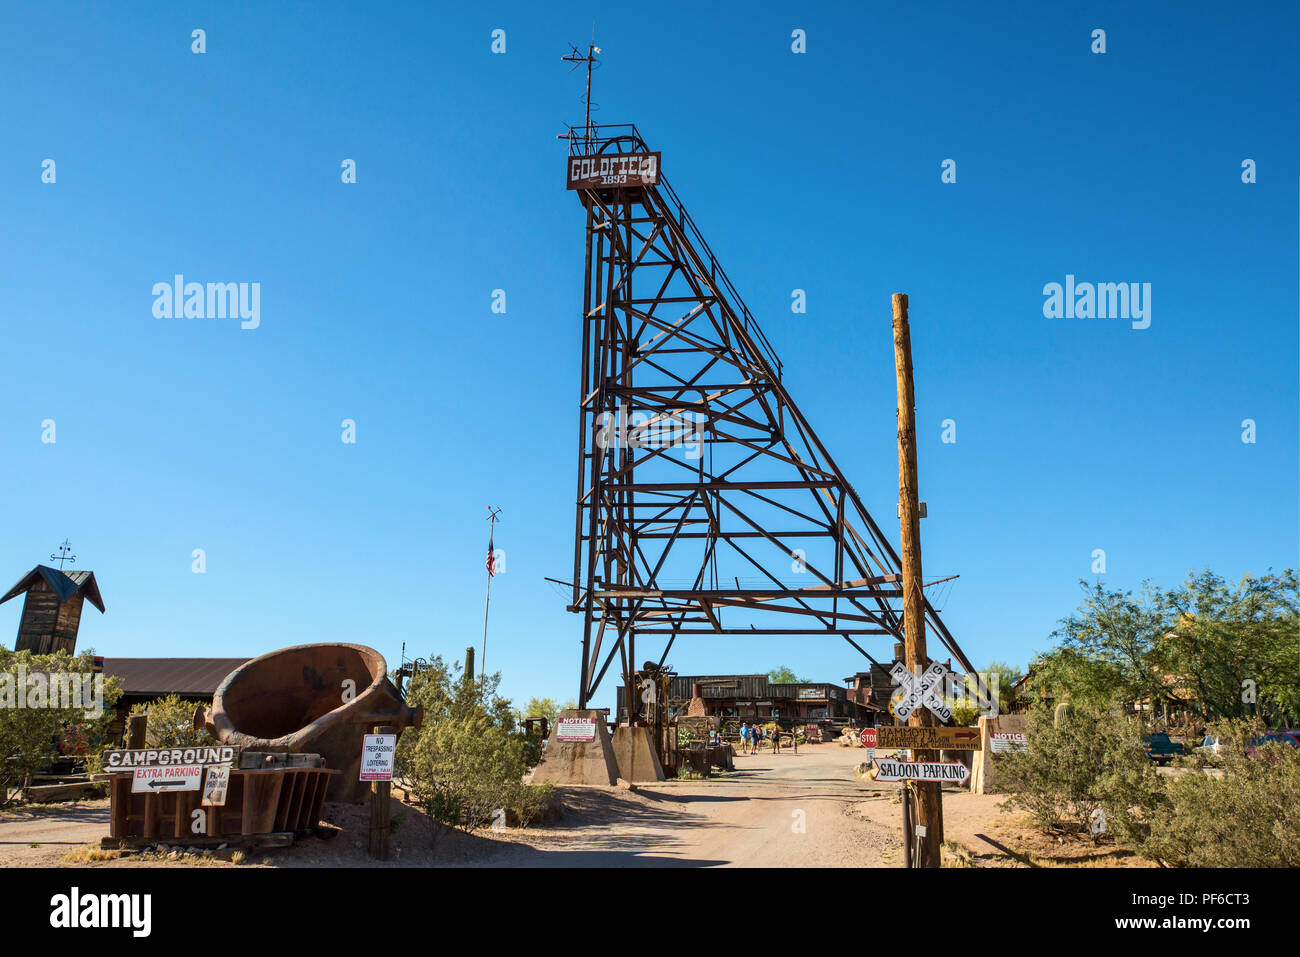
[(785, 810)]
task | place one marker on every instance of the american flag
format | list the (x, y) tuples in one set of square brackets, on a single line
[(491, 560)]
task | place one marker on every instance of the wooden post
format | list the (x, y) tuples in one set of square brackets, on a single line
[(929, 798), (380, 832), (908, 837), (136, 725)]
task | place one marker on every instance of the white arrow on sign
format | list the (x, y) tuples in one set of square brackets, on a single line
[(945, 772), (920, 691)]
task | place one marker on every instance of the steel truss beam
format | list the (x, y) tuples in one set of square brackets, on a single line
[(695, 467)]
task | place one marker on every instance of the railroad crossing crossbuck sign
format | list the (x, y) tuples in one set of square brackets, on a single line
[(921, 691)]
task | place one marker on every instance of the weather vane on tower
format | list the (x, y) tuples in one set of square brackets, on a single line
[(64, 554), (575, 56)]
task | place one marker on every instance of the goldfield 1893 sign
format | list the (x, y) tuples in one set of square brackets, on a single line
[(612, 170)]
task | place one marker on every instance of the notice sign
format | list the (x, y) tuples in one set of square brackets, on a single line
[(215, 786), (576, 729), (377, 753), (613, 169), (888, 769), (1003, 741), (173, 777)]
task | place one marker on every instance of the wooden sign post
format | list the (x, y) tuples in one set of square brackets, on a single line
[(929, 800), (380, 792)]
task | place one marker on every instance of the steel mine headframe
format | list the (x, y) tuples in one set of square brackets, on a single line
[(706, 504)]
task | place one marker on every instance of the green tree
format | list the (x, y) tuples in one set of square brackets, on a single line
[(467, 761), (171, 723), (544, 708), (1246, 813), (1006, 676), (781, 675), (1234, 647), (35, 725), (1108, 650), (1090, 760)]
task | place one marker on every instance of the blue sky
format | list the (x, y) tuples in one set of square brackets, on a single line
[(818, 171)]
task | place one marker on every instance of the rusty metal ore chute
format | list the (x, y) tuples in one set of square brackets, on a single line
[(706, 503)]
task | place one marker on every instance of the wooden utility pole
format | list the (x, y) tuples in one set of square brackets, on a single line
[(380, 792), (929, 798)]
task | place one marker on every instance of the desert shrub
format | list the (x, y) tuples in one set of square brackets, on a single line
[(466, 764), (1079, 762), (171, 723), (32, 736), (1247, 814)]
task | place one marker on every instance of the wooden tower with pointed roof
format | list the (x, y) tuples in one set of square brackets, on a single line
[(52, 609)]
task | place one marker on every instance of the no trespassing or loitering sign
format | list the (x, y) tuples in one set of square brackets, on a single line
[(377, 752)]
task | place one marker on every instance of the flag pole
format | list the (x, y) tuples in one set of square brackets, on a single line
[(487, 605)]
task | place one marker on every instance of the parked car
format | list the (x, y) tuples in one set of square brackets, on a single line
[(1283, 738), (1211, 745), (1161, 748)]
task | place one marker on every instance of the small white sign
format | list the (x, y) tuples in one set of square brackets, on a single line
[(1001, 742), (215, 786), (576, 729), (173, 777), (941, 771), (377, 754)]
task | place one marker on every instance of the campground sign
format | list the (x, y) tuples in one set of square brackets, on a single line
[(887, 769), (164, 757)]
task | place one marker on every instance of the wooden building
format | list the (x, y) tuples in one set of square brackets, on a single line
[(145, 679), (52, 609), (754, 697), (869, 692)]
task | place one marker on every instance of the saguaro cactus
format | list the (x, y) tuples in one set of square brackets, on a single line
[(1062, 713)]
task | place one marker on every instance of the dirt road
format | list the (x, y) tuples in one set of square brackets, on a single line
[(785, 810), (44, 833)]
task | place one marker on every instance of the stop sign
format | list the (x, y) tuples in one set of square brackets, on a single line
[(868, 737)]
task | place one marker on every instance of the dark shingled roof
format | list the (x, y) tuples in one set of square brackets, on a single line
[(65, 583), (164, 676)]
